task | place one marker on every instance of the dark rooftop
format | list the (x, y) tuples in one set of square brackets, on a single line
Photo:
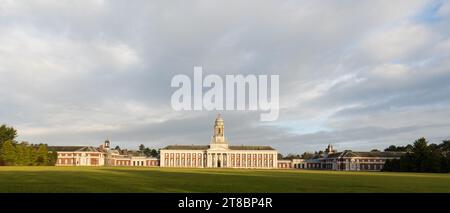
[(187, 147), (251, 148), (73, 148), (349, 153), (205, 147)]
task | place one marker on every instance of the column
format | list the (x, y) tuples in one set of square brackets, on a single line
[(275, 161), (246, 160), (257, 161), (228, 160), (233, 164), (223, 160), (209, 159), (217, 159), (202, 160)]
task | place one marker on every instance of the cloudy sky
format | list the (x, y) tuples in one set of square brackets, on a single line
[(356, 74)]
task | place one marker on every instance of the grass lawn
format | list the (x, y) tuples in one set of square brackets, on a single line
[(131, 179)]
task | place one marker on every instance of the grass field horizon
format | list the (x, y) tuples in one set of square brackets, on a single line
[(134, 179)]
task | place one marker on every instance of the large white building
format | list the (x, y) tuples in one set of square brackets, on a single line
[(219, 154)]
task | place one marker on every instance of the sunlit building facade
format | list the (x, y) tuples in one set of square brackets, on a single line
[(219, 154)]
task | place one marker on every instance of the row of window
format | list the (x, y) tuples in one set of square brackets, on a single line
[(70, 161), (364, 160), (136, 163), (177, 162), (330, 166), (183, 162), (199, 155), (78, 154)]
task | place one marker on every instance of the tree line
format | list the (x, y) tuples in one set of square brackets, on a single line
[(143, 151), (420, 157), (13, 153), (148, 152)]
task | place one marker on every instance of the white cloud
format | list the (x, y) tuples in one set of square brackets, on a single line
[(398, 42), (391, 70), (38, 63)]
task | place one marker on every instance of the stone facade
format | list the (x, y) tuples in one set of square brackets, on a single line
[(219, 154)]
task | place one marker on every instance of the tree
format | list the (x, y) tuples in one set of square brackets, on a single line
[(8, 153), (117, 148), (154, 153), (147, 152), (23, 154), (7, 134), (420, 153), (393, 148), (445, 145), (280, 156), (408, 148), (52, 158), (292, 156), (41, 157), (307, 155), (421, 157), (29, 155), (141, 148), (151, 152)]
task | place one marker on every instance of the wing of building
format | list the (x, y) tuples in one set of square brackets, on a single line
[(219, 154), (99, 156), (347, 160)]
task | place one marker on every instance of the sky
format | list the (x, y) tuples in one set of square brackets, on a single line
[(360, 75)]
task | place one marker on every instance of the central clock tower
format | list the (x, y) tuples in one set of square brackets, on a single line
[(218, 140)]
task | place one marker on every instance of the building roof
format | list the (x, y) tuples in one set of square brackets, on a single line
[(205, 147), (73, 148), (250, 147), (187, 147), (349, 153)]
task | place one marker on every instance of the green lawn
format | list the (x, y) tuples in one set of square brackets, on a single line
[(129, 179)]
